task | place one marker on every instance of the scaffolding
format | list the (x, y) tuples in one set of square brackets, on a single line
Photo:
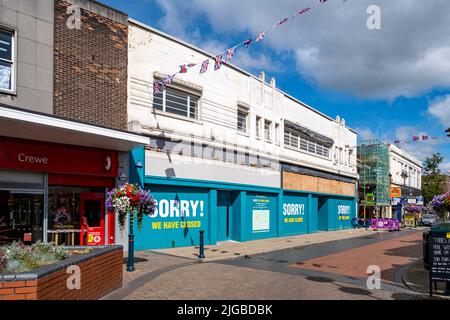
[(373, 165)]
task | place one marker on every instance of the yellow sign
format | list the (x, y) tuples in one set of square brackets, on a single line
[(396, 192), (448, 235)]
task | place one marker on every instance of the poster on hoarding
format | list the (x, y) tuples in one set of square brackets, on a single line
[(261, 220), (261, 215)]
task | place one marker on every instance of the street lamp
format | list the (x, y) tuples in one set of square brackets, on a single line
[(405, 176)]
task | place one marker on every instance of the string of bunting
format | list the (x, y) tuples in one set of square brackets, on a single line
[(420, 138), (228, 54)]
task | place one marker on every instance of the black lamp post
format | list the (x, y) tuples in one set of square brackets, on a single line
[(130, 263)]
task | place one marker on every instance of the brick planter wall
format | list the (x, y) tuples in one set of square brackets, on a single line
[(101, 273)]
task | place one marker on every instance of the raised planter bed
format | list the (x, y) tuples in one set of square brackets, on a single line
[(101, 272)]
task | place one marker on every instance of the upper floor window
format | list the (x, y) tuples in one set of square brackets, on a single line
[(267, 129), (301, 142), (177, 102), (242, 120), (7, 60)]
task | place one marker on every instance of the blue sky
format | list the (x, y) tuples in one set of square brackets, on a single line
[(392, 83)]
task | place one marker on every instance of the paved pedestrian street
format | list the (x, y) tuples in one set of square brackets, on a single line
[(324, 270), (388, 255)]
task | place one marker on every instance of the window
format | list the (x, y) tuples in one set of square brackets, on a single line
[(267, 127), (177, 102), (301, 142), (6, 60), (242, 120), (258, 127)]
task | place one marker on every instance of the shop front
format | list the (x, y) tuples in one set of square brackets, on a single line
[(232, 212), (55, 192)]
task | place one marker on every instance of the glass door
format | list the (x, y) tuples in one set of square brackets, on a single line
[(92, 212)]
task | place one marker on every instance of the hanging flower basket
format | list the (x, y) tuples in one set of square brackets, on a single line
[(130, 199), (441, 203)]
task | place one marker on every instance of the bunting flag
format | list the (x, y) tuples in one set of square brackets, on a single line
[(248, 42), (302, 11), (218, 62), (205, 65), (156, 89), (279, 23), (230, 54), (260, 36), (168, 80), (183, 69)]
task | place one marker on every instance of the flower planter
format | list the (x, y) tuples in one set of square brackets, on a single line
[(101, 272)]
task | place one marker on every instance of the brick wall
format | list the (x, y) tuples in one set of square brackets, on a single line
[(90, 67), (99, 276)]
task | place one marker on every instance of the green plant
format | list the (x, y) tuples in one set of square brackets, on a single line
[(17, 257)]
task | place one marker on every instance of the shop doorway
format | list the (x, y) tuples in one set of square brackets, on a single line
[(92, 214), (224, 215), (323, 214)]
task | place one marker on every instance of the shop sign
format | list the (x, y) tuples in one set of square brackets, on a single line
[(54, 158), (293, 212), (396, 192), (94, 238), (420, 201), (344, 212), (169, 209)]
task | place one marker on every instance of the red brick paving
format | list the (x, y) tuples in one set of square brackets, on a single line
[(387, 255)]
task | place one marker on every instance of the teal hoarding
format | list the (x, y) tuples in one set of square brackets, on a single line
[(295, 214), (180, 214), (342, 212), (261, 216)]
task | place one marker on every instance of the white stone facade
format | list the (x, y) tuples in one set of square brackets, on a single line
[(402, 161), (221, 94)]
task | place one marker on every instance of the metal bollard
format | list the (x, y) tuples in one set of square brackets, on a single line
[(201, 254)]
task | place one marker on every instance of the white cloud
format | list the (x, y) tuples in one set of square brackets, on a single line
[(256, 62), (445, 168), (365, 134), (440, 109), (333, 47)]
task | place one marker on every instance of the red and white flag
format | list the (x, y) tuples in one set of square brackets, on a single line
[(260, 36)]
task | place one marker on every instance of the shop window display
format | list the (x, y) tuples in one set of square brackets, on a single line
[(21, 217), (64, 223)]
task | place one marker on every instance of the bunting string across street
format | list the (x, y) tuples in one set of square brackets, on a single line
[(420, 138), (159, 85)]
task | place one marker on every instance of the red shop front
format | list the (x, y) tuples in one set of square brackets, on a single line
[(55, 192)]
